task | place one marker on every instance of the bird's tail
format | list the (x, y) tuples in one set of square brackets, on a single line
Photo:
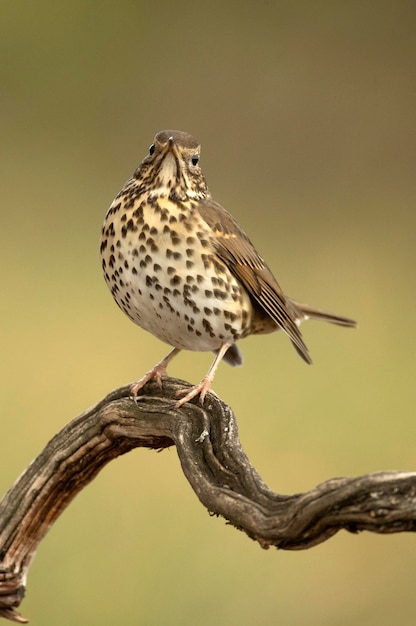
[(305, 312), (301, 312)]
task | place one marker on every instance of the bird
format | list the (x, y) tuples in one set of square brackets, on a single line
[(180, 266)]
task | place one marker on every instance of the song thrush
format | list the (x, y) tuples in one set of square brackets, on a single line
[(179, 265)]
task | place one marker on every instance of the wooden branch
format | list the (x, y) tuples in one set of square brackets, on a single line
[(214, 463)]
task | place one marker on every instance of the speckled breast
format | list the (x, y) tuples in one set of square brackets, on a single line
[(159, 263)]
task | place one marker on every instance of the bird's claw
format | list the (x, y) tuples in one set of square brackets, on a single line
[(157, 372), (200, 389)]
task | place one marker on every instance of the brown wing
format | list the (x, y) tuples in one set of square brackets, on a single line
[(234, 248)]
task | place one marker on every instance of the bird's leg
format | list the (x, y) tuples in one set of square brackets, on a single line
[(204, 386), (157, 372)]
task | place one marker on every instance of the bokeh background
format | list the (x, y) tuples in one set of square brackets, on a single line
[(306, 114)]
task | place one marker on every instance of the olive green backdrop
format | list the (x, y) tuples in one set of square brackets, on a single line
[(306, 114)]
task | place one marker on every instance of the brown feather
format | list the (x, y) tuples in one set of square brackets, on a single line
[(234, 248), (305, 312)]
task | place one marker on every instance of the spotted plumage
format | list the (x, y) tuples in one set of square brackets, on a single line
[(180, 266)]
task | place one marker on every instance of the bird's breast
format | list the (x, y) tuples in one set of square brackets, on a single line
[(160, 264)]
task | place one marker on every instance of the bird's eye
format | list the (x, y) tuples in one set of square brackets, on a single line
[(195, 160), (152, 149)]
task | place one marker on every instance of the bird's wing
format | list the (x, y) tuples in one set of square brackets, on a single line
[(236, 250)]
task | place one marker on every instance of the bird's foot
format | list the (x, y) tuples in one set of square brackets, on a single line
[(204, 386), (156, 372), (200, 389)]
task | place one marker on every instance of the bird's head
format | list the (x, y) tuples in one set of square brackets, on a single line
[(171, 167)]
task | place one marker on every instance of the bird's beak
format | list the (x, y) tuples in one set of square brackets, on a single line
[(171, 147), (169, 161)]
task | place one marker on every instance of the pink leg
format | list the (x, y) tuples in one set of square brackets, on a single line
[(157, 372), (204, 386)]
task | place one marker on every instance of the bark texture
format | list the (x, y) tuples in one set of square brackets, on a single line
[(214, 463)]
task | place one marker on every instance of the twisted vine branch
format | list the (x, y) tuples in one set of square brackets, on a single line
[(214, 463)]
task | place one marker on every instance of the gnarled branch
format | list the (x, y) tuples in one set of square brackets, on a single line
[(214, 463)]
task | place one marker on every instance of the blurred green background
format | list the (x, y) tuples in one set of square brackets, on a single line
[(306, 115)]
